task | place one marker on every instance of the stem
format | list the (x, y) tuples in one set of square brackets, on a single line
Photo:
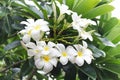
[(76, 40), (12, 66)]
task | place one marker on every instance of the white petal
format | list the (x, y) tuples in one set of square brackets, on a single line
[(54, 52), (26, 38), (61, 47), (79, 61), (36, 35), (78, 47), (51, 44), (47, 67), (30, 52), (75, 16), (63, 60), (84, 44), (24, 22), (31, 45), (72, 59), (41, 43), (87, 59), (54, 61), (71, 51), (30, 20), (39, 63), (45, 52), (45, 28)]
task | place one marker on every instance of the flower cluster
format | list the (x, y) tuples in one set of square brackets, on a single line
[(48, 53)]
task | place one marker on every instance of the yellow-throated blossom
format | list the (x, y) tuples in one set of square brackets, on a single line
[(33, 49), (66, 54), (80, 24), (82, 54), (46, 47), (34, 29), (48, 59), (63, 8)]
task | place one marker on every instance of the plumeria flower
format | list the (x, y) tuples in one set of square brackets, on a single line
[(63, 8), (85, 35), (82, 54), (79, 22), (34, 29), (46, 62), (47, 48), (66, 54), (33, 49)]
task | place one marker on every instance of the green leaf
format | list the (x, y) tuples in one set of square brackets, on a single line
[(114, 51), (12, 45), (85, 6), (89, 71), (100, 10), (70, 3), (114, 34), (115, 68), (70, 72), (18, 3), (26, 68), (97, 52), (106, 42), (110, 53), (43, 10), (40, 76), (110, 24)]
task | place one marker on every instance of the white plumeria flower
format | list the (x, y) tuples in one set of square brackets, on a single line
[(47, 61), (66, 54), (63, 8), (79, 22), (34, 50), (47, 48), (34, 29), (83, 53), (85, 35)]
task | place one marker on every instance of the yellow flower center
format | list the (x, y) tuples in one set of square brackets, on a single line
[(29, 32), (64, 54), (80, 53), (37, 27), (46, 48), (46, 58), (37, 51)]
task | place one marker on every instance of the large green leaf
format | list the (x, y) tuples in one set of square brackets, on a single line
[(114, 34), (28, 9), (89, 71), (100, 10), (70, 3), (26, 68), (43, 10), (115, 68), (97, 52), (110, 24), (85, 6), (110, 53), (70, 72)]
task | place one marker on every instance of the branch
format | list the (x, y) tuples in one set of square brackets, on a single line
[(12, 66)]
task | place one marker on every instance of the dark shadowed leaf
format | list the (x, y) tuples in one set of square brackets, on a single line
[(89, 71)]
